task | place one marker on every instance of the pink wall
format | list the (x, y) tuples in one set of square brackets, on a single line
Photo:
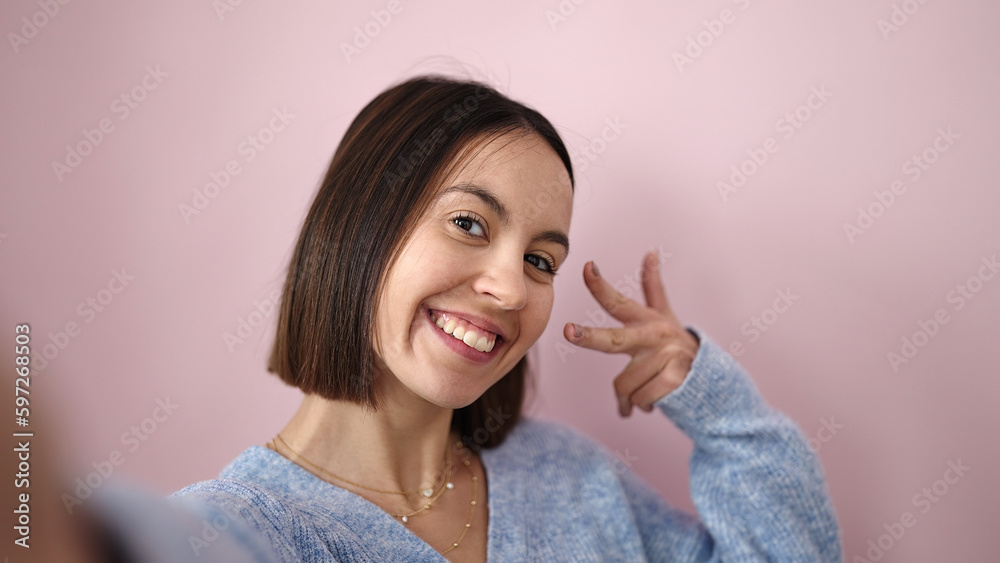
[(202, 82)]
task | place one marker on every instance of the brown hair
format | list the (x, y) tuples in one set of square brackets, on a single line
[(398, 148)]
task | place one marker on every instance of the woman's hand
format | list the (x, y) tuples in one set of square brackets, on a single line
[(662, 349)]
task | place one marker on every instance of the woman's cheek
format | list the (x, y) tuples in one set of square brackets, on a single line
[(541, 309)]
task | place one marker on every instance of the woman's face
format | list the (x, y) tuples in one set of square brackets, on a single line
[(472, 290)]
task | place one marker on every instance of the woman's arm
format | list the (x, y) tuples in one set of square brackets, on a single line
[(758, 488)]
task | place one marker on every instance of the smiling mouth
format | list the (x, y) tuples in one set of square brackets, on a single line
[(470, 334)]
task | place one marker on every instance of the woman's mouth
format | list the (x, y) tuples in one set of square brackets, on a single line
[(471, 335)]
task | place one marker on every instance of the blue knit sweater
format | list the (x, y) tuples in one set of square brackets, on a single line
[(555, 495)]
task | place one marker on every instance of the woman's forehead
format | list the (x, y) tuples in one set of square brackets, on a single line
[(514, 157)]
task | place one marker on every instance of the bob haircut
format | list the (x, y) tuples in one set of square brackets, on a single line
[(382, 178)]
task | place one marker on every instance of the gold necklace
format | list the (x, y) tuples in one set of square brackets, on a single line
[(472, 505), (448, 486), (405, 517), (425, 492)]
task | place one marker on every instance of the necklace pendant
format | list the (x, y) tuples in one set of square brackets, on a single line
[(405, 519), (450, 485), (428, 492)]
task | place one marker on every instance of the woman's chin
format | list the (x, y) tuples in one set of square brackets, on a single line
[(447, 394), (439, 386), (451, 400)]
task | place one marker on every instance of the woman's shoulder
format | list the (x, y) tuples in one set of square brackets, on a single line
[(278, 502), (264, 484), (272, 485), (532, 429), (246, 486), (266, 492), (536, 441), (238, 476)]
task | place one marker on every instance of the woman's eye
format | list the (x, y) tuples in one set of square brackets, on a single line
[(469, 225), (473, 227), (543, 264)]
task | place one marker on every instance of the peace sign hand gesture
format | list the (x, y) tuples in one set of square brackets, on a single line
[(662, 349)]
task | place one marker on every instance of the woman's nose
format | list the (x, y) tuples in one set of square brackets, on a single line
[(502, 276)]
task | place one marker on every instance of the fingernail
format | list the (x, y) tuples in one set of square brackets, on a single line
[(593, 268), (577, 331)]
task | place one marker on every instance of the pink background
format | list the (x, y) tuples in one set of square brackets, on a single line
[(653, 184)]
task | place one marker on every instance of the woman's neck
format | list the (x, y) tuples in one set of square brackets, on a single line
[(399, 447)]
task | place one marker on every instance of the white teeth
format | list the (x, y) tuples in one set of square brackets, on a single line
[(470, 337)]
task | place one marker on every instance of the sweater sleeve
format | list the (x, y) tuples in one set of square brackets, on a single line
[(758, 488)]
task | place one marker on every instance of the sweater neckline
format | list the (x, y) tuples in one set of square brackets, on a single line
[(278, 469)]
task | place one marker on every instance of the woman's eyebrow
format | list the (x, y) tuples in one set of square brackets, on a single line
[(500, 210), (495, 205)]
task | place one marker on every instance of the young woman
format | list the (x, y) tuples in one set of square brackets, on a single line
[(423, 274)]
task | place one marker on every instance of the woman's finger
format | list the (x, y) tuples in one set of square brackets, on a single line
[(619, 340), (663, 383), (652, 284), (620, 307), (645, 366), (637, 373)]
